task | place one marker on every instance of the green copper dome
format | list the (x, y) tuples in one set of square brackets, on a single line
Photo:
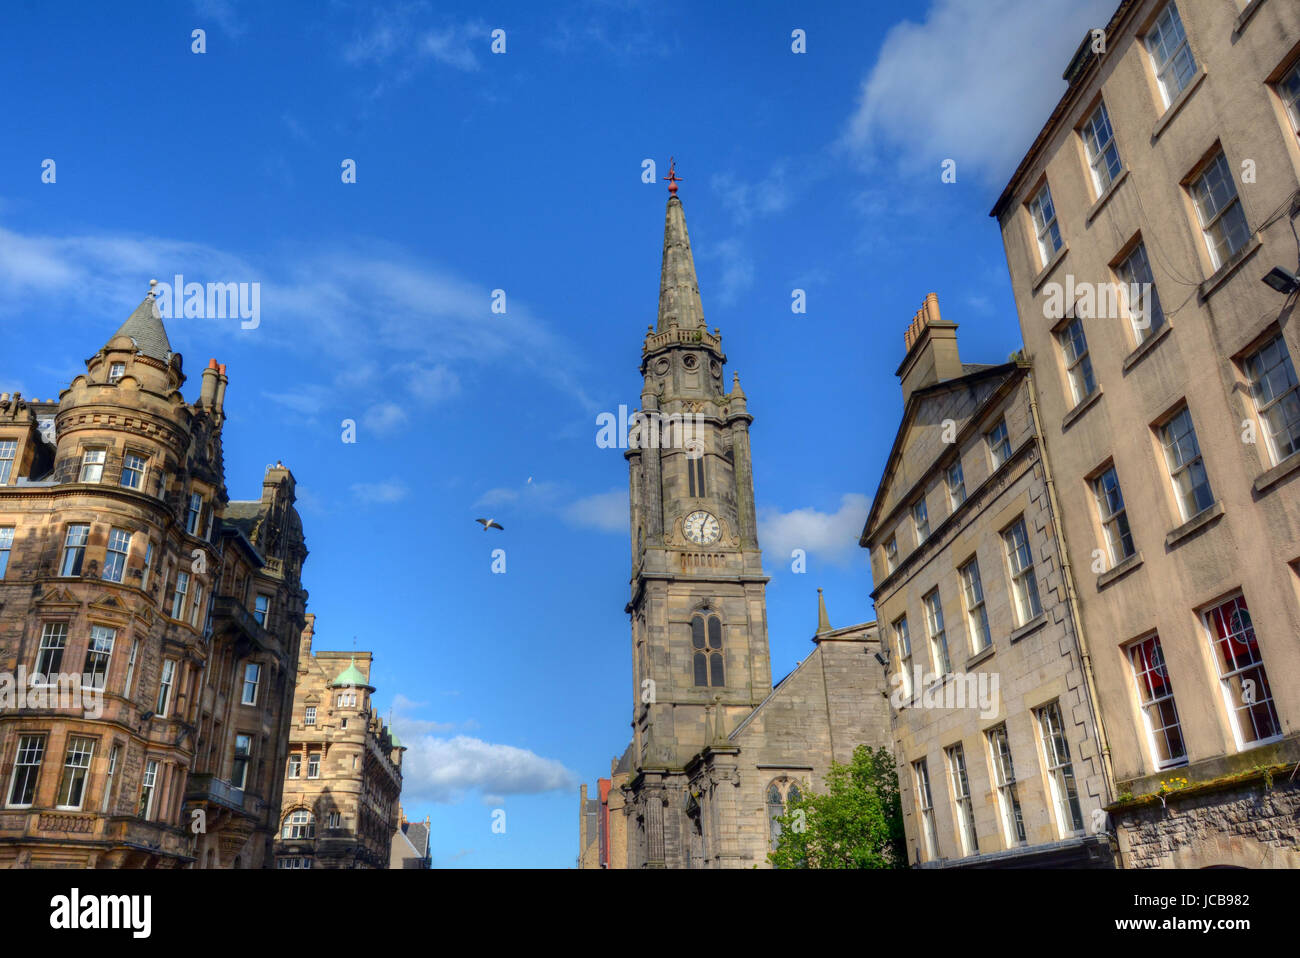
[(397, 743), (350, 676)]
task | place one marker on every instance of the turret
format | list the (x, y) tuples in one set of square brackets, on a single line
[(127, 403)]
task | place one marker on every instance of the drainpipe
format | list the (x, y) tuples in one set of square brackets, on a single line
[(1107, 771)]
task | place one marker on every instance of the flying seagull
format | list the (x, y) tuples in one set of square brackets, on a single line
[(490, 524)]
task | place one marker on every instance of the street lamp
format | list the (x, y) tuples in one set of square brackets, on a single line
[(1282, 280)]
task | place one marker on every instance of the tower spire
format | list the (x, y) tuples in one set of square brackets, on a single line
[(679, 290)]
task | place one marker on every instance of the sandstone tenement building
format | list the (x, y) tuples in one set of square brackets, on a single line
[(995, 728), (125, 569), (602, 823), (717, 751), (344, 774), (1150, 237)]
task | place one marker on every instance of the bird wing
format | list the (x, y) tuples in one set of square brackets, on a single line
[(483, 521), (495, 525)]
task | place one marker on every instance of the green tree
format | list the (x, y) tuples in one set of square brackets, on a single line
[(857, 823)]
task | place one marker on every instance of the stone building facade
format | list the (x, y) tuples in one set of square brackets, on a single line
[(995, 730), (1149, 237), (716, 748), (343, 777), (119, 581)]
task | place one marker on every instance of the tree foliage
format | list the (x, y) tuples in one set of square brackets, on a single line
[(857, 823)]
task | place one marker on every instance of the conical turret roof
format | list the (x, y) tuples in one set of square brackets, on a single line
[(145, 326)]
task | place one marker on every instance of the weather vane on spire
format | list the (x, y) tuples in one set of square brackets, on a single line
[(672, 177)]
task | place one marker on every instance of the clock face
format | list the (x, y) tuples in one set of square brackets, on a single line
[(701, 528)]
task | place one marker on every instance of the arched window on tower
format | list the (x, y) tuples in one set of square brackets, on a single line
[(706, 641)]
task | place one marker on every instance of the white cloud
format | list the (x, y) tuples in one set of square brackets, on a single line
[(451, 46), (383, 492), (974, 82), (432, 383), (602, 511), (308, 401), (223, 13), (306, 500), (383, 417), (442, 770), (398, 40), (622, 29), (833, 536), (411, 726), (538, 495), (497, 497), (746, 200), (606, 511), (737, 270), (434, 322)]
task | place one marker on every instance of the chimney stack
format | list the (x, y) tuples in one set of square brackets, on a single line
[(931, 343), (208, 391), (219, 400), (308, 631)]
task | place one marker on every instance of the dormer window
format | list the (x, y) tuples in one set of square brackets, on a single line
[(116, 371)]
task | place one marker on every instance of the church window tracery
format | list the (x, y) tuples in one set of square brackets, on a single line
[(780, 794), (706, 641)]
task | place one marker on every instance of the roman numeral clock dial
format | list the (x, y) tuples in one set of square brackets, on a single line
[(701, 528)]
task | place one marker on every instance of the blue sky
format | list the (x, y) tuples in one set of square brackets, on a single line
[(521, 172)]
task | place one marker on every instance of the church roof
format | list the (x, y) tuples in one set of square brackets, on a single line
[(145, 327), (679, 289)]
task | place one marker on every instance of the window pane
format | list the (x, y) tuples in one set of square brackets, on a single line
[(718, 678), (701, 669)]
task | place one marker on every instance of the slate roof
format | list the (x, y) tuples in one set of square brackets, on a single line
[(145, 326), (410, 846)]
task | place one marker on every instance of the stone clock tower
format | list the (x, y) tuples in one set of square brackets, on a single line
[(699, 618)]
